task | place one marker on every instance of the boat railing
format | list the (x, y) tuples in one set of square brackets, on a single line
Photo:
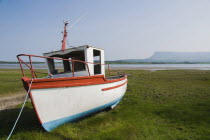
[(33, 72)]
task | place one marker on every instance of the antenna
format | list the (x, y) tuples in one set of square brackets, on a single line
[(77, 21), (64, 36), (65, 31)]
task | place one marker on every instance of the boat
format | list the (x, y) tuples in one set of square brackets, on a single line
[(75, 89)]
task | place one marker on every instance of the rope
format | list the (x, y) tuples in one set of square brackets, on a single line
[(20, 111), (69, 44)]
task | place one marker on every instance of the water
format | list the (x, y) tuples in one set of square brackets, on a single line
[(17, 66), (164, 66), (127, 66)]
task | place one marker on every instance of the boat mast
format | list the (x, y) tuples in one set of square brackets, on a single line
[(64, 36)]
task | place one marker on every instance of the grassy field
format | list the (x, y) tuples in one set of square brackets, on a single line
[(10, 81), (160, 105)]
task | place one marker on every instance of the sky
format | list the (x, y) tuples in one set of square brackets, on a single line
[(126, 29)]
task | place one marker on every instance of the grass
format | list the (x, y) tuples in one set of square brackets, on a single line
[(10, 81), (160, 105)]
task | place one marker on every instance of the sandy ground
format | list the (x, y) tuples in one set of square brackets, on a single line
[(8, 102)]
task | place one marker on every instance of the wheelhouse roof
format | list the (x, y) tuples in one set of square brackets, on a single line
[(60, 52)]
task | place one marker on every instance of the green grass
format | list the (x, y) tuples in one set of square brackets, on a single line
[(160, 105), (10, 81)]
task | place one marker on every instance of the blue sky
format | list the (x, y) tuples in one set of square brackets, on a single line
[(126, 29)]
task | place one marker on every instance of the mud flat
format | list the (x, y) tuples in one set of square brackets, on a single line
[(12, 101)]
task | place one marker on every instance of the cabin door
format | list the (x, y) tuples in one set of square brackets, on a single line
[(97, 59)]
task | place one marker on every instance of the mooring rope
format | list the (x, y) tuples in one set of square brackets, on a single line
[(20, 110)]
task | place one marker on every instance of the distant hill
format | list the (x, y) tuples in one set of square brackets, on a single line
[(172, 57), (16, 62), (157, 58), (8, 62)]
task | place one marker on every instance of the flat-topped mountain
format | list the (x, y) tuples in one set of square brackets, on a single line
[(173, 57)]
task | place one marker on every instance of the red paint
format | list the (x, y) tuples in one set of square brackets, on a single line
[(64, 36), (26, 86), (109, 88), (33, 71), (59, 59), (32, 100), (68, 81)]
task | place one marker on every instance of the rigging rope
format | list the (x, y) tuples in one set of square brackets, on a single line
[(20, 110), (68, 43)]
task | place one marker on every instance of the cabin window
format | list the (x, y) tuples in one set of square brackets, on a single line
[(51, 65), (97, 59), (65, 66), (78, 55), (55, 66)]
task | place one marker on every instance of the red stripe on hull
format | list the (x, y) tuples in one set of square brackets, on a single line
[(109, 88), (68, 81), (33, 103)]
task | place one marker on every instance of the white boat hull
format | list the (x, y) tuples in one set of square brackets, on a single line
[(56, 106)]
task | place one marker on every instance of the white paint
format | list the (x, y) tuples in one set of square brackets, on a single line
[(102, 62), (89, 58), (76, 74), (88, 50), (56, 103)]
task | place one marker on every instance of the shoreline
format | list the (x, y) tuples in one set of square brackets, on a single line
[(151, 67), (159, 68), (133, 68)]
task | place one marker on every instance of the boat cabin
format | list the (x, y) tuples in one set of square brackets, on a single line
[(89, 61)]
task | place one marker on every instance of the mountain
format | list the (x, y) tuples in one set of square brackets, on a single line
[(173, 57), (159, 57)]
